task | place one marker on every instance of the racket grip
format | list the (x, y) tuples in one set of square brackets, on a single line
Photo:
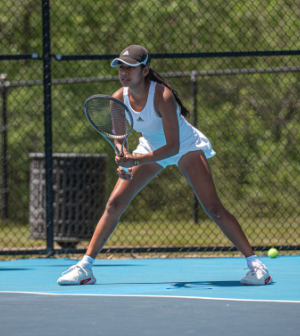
[(126, 169)]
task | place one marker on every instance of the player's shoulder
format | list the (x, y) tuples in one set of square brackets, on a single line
[(119, 94), (163, 94)]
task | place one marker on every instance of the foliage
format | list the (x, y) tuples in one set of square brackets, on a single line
[(251, 120)]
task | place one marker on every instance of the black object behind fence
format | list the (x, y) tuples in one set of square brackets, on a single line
[(79, 195), (244, 92)]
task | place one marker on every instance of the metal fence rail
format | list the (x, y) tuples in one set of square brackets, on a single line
[(241, 81)]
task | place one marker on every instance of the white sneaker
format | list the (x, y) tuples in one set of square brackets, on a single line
[(257, 276), (77, 275)]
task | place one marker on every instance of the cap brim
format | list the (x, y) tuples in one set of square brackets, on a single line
[(116, 61)]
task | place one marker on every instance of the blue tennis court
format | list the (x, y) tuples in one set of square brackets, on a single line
[(150, 297)]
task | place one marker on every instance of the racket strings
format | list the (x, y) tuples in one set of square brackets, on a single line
[(109, 117)]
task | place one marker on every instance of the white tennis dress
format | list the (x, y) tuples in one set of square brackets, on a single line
[(150, 125)]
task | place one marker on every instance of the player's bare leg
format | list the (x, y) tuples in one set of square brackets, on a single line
[(195, 169), (119, 200)]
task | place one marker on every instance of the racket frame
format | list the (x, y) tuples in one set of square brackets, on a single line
[(106, 135)]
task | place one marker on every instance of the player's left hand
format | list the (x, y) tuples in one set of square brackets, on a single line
[(126, 161)]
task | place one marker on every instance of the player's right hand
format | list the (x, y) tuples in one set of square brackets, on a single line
[(125, 175)]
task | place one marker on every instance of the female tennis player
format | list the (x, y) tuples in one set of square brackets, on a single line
[(168, 139)]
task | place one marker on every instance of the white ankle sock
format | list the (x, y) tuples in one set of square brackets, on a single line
[(86, 261), (252, 259)]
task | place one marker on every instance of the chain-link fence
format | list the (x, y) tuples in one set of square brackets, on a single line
[(236, 66)]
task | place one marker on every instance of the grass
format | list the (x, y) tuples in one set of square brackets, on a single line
[(158, 233)]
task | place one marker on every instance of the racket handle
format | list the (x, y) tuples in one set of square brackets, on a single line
[(126, 169)]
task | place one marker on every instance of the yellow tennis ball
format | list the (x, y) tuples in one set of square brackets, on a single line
[(273, 253)]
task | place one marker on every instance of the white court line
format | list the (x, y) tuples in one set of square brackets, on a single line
[(154, 296)]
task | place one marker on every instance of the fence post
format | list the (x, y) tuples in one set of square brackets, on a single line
[(194, 93), (3, 90), (48, 122)]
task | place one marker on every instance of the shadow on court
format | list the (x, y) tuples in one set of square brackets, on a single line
[(182, 284), (209, 283), (95, 266), (15, 269)]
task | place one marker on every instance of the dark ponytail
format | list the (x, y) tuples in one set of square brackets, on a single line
[(156, 77)]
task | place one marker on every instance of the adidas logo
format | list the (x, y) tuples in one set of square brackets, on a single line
[(126, 53), (140, 119)]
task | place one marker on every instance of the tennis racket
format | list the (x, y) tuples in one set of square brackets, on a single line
[(111, 118)]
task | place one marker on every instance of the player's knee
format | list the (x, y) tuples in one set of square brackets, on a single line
[(115, 207), (214, 210)]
